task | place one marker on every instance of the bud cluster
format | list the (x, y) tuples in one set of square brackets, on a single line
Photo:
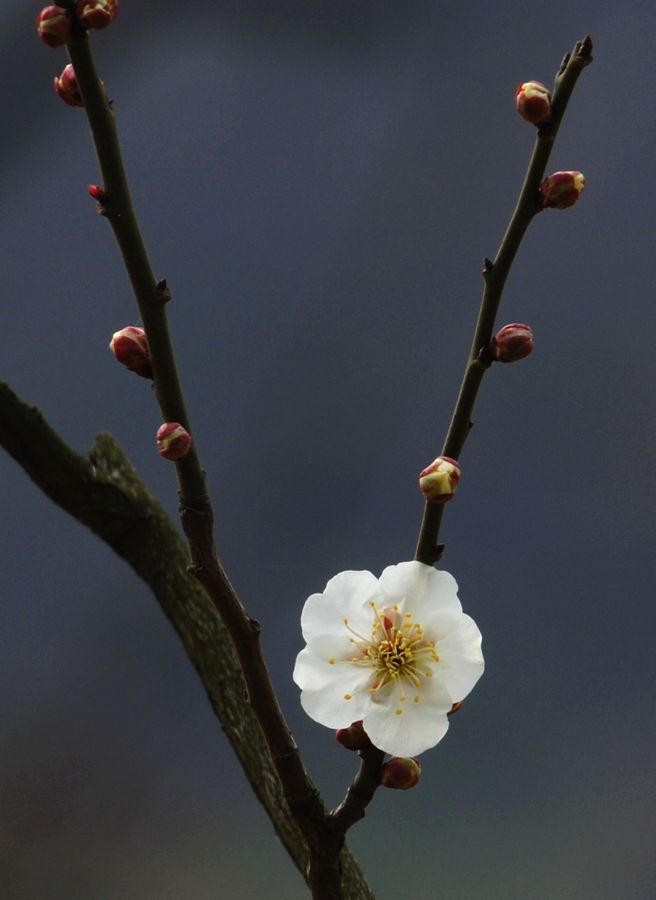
[(54, 24)]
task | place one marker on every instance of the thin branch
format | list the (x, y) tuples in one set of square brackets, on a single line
[(495, 274), (104, 492), (196, 512), (361, 791)]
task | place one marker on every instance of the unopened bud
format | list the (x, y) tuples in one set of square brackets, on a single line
[(562, 189), (96, 13), (67, 89), (53, 25), (401, 773), (533, 102), (97, 191), (438, 482), (173, 441), (130, 347), (512, 342), (354, 737)]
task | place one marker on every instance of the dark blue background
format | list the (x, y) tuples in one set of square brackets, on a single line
[(319, 183)]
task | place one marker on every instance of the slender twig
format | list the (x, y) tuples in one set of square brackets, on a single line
[(360, 792), (495, 274), (196, 512)]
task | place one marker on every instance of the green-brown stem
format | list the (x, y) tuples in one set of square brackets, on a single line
[(323, 875), (361, 790), (495, 274)]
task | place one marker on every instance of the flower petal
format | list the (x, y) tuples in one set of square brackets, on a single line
[(461, 658), (420, 725), (422, 590), (346, 595), (333, 695)]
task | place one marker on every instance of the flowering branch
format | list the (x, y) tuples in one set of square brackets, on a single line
[(495, 273), (305, 805), (395, 655)]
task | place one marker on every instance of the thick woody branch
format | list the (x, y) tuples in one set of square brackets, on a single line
[(495, 274), (103, 492)]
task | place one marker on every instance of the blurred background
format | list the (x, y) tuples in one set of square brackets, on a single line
[(319, 182)]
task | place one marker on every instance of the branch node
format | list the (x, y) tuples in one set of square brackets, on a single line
[(563, 64), (488, 266), (584, 50), (486, 359), (163, 291)]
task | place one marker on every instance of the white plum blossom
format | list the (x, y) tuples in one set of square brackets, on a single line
[(395, 652)]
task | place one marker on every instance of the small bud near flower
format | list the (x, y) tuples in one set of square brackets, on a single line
[(512, 342), (96, 13), (97, 191), (130, 347), (173, 441), (401, 774), (438, 482), (53, 25), (67, 89), (354, 737), (562, 189), (533, 102)]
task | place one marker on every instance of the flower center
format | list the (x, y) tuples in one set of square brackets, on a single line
[(397, 650)]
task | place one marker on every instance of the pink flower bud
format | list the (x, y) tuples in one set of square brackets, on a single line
[(53, 25), (354, 737), (533, 102), (512, 342), (400, 774), (562, 189), (130, 347), (438, 482), (97, 191), (66, 87), (96, 13), (173, 441)]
